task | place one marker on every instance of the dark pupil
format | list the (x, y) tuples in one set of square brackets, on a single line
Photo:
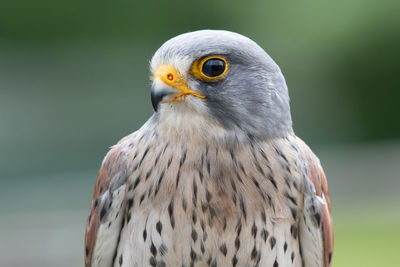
[(213, 67)]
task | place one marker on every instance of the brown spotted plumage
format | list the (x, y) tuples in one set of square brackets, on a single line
[(192, 189)]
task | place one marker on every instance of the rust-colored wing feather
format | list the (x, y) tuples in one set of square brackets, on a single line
[(109, 183), (316, 235)]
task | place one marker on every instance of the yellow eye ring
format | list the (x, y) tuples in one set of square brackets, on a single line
[(198, 65)]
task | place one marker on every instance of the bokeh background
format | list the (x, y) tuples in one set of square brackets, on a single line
[(74, 79)]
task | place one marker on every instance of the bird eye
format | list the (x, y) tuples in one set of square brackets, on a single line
[(210, 68), (213, 67)]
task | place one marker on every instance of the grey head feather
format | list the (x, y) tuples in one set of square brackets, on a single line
[(252, 97)]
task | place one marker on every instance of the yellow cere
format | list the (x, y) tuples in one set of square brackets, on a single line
[(197, 69), (170, 76)]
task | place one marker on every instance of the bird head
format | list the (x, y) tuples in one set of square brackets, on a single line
[(222, 77)]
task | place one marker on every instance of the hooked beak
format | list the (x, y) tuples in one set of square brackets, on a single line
[(169, 86), (159, 90)]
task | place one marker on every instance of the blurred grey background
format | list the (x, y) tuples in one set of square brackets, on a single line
[(74, 80)]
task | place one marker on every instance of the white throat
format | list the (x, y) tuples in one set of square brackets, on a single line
[(190, 121)]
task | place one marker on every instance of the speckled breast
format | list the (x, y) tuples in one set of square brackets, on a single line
[(204, 205)]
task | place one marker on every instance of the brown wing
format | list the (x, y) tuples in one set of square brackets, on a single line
[(111, 177), (317, 232)]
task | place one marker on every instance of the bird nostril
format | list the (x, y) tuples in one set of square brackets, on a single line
[(170, 76)]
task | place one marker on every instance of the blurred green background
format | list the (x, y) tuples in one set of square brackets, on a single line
[(74, 80)]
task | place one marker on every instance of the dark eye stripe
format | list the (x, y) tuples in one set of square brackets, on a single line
[(213, 67)]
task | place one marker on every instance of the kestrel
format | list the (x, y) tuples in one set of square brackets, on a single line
[(216, 176)]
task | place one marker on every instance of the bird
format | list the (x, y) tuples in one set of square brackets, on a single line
[(216, 176)]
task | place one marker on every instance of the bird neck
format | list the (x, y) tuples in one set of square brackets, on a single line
[(183, 126)]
